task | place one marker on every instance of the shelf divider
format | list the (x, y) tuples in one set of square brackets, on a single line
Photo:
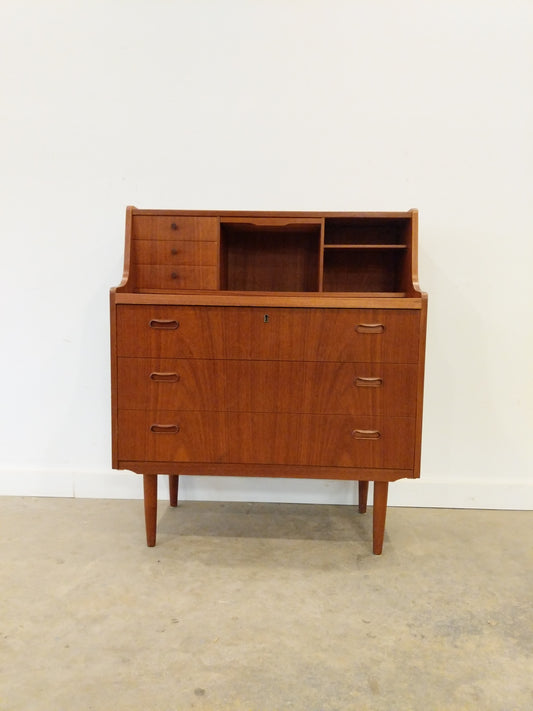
[(365, 246)]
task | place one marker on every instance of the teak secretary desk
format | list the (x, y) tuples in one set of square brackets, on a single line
[(273, 344)]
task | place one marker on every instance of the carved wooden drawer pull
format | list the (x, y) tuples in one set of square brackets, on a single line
[(164, 429), (361, 382), (165, 377), (164, 324), (370, 328), (366, 434)]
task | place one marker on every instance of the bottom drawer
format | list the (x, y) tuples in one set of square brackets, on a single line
[(265, 438), (170, 277)]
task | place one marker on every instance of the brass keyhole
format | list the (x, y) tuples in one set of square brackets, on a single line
[(266, 318)]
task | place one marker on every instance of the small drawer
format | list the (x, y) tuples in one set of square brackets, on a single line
[(175, 252), (169, 227), (177, 277)]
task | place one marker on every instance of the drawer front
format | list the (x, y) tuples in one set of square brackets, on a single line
[(168, 227), (174, 252), (170, 277), (267, 386), (345, 335), (261, 438)]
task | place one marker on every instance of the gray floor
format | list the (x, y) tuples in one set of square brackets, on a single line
[(263, 607)]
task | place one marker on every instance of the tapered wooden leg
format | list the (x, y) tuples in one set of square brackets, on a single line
[(150, 507), (173, 482), (363, 496), (381, 489)]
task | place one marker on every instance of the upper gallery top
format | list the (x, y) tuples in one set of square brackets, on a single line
[(351, 254)]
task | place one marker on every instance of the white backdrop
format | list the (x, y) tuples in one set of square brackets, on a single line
[(267, 104)]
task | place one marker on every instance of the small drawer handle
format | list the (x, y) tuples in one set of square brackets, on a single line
[(173, 275), (370, 328), (164, 429), (366, 434), (173, 226), (164, 377), (361, 382), (164, 324), (173, 251)]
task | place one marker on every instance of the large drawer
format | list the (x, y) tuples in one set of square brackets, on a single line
[(267, 386), (302, 334), (171, 227), (260, 438)]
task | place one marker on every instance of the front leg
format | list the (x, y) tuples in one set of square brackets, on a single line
[(381, 489), (150, 507)]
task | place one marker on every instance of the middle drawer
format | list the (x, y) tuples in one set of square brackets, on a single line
[(178, 252), (267, 386)]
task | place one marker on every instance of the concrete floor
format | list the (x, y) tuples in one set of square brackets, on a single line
[(263, 607)]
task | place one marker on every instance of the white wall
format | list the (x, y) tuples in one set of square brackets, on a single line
[(267, 104)]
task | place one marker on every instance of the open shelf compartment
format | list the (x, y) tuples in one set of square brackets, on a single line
[(363, 231), (372, 271), (270, 255)]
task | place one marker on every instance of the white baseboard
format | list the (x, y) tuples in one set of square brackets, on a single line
[(470, 493)]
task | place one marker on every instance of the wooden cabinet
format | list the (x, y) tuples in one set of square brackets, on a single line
[(269, 344)]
